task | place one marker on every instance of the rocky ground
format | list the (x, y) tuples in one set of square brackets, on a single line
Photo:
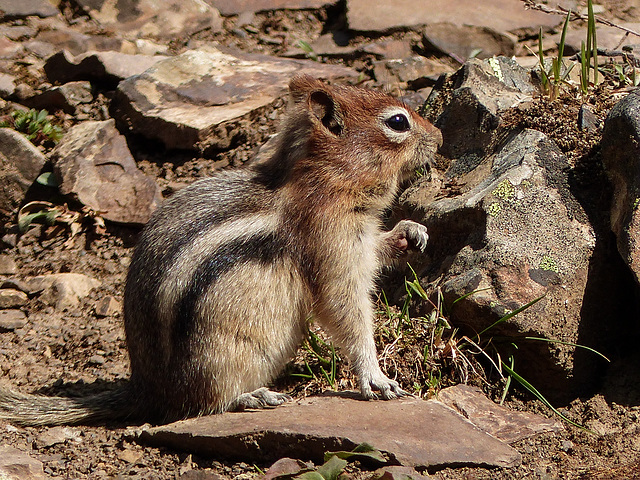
[(61, 297)]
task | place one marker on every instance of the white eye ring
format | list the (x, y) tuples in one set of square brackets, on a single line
[(396, 123)]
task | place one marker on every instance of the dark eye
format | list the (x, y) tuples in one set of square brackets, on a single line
[(398, 122)]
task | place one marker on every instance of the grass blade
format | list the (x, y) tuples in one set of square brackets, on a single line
[(576, 345), (510, 315)]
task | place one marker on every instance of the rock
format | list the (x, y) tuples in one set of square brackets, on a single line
[(20, 164), (63, 37), (11, 320), (18, 465), (10, 298), (110, 67), (413, 72), (414, 432), (8, 265), (196, 100), (620, 153), (500, 15), (482, 90), (12, 9), (7, 85), (66, 97), (162, 19), (498, 421), (56, 435), (506, 238), (463, 41), (130, 456), (108, 307), (93, 164), (284, 466), (63, 290), (235, 7)]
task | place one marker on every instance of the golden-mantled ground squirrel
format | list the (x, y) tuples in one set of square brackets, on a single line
[(229, 270)]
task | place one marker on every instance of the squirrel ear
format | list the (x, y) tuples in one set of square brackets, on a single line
[(326, 110)]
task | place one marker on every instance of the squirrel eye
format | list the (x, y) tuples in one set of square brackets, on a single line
[(398, 122)]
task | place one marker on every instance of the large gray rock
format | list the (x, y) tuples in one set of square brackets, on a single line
[(93, 163), (163, 19), (198, 99), (479, 92), (516, 233), (413, 432), (501, 15), (111, 67), (20, 164), (621, 158)]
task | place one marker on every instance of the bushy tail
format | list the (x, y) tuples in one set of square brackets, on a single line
[(33, 410)]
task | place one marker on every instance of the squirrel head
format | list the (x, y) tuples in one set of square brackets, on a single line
[(352, 139)]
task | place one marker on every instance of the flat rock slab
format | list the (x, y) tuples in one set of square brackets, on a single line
[(507, 425), (197, 99), (412, 432), (501, 15)]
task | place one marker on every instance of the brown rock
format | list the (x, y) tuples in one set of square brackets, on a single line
[(108, 307), (463, 41), (63, 290), (65, 97), (500, 15), (284, 466), (196, 100), (498, 421), (10, 298), (7, 85), (8, 265), (12, 9), (112, 67), (414, 432), (93, 163), (414, 72), (18, 465), (164, 19), (11, 320), (20, 164)]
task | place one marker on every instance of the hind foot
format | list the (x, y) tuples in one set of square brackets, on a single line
[(260, 398)]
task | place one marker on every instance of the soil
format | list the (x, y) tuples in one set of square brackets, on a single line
[(77, 352)]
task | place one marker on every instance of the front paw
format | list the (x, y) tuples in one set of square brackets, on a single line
[(415, 233), (388, 388)]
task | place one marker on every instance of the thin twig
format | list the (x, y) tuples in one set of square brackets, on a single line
[(575, 15)]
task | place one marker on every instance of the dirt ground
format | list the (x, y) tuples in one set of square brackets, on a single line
[(76, 352)]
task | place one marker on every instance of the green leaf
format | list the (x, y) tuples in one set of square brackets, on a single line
[(363, 451), (332, 468), (48, 179)]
